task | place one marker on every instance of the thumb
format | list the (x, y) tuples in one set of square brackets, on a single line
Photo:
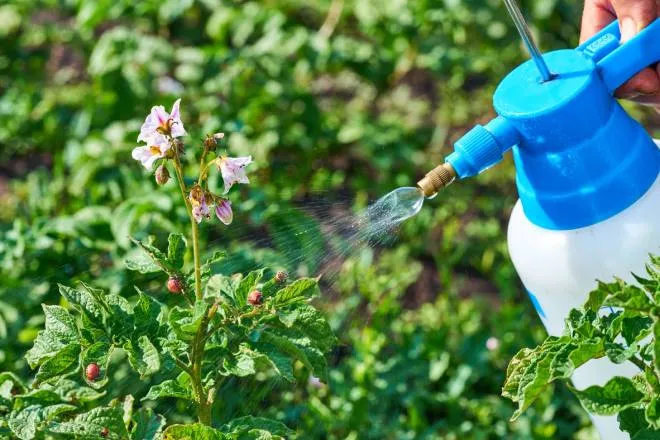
[(634, 15)]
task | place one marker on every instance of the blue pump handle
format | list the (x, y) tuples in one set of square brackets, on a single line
[(620, 62)]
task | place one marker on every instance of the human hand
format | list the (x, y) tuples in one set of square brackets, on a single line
[(633, 16)]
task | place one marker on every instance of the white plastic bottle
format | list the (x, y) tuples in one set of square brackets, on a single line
[(559, 269)]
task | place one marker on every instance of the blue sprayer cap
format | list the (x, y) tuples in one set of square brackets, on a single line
[(580, 158)]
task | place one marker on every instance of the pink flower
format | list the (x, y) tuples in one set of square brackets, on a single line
[(223, 211), (159, 123), (492, 343), (233, 170), (148, 154), (200, 209)]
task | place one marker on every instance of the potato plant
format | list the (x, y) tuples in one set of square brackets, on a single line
[(222, 328), (620, 321)]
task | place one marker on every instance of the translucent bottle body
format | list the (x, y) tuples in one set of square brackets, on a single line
[(559, 268)]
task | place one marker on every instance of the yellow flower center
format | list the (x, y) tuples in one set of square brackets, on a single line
[(165, 127), (154, 149)]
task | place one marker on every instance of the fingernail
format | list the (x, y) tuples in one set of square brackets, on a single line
[(628, 29)]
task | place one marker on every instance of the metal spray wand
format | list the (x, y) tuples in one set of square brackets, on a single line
[(444, 174)]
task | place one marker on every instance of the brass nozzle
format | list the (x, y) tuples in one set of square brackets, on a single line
[(436, 179)]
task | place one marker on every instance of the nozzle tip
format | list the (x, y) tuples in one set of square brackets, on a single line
[(436, 179)]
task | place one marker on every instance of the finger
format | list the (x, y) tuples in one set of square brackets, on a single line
[(646, 82), (634, 15), (596, 15), (648, 100), (651, 99)]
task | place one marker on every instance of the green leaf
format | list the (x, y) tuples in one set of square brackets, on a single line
[(42, 396), (647, 434), (280, 361), (296, 347), (65, 361), (98, 353), (25, 423), (147, 425), (581, 324), (180, 321), (245, 362), (195, 431), (157, 256), (632, 421), (147, 316), (311, 322), (207, 267), (596, 297), (10, 385), (71, 391), (585, 351), (139, 261), (538, 374), (656, 346), (635, 328), (92, 329), (222, 287), (143, 356), (616, 395), (181, 388), (92, 423), (514, 372), (652, 412), (121, 319), (60, 331), (176, 250), (246, 285), (245, 424), (270, 287), (628, 297), (83, 300), (618, 354), (303, 288)]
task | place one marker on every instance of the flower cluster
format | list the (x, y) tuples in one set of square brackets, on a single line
[(157, 132), (160, 133)]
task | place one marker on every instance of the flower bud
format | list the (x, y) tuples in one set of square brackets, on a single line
[(212, 310), (255, 298), (92, 371), (281, 276), (211, 141), (223, 211), (162, 175), (174, 285)]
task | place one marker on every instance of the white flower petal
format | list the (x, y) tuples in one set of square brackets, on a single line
[(175, 109), (149, 163), (159, 115), (177, 128), (139, 152), (233, 170)]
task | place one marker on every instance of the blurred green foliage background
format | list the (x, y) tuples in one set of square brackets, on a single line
[(338, 101)]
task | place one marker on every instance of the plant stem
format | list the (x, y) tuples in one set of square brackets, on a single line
[(638, 362), (197, 346), (193, 226), (331, 20), (197, 355)]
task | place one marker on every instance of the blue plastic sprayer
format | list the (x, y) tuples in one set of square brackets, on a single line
[(586, 173), (580, 158)]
